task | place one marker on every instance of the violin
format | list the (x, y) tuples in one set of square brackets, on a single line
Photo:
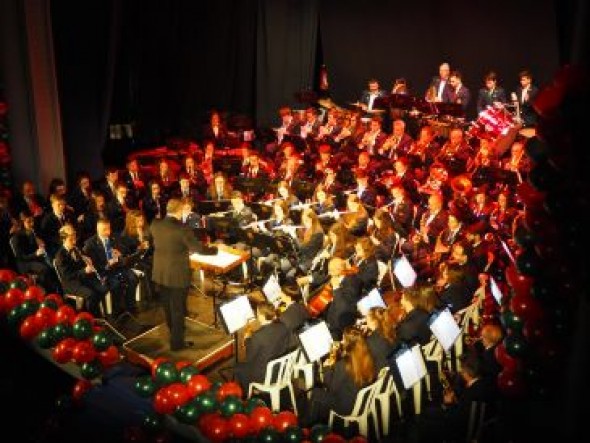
[(320, 300)]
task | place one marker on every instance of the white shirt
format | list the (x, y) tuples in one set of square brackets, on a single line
[(441, 88)]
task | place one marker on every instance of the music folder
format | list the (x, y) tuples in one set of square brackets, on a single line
[(444, 327), (371, 300), (411, 365), (496, 292), (236, 313), (272, 290), (404, 271), (316, 341)]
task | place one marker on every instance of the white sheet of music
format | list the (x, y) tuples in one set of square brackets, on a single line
[(316, 341), (272, 290), (222, 259), (445, 329), (236, 313), (411, 366)]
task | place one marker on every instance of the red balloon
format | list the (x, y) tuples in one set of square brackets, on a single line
[(205, 419), (65, 314), (12, 298), (7, 275), (84, 315), (227, 389), (109, 356), (217, 429), (83, 352), (81, 387), (35, 293), (156, 363), (62, 352), (283, 420), (163, 403), (508, 362), (333, 438), (511, 384), (198, 384), (526, 307), (29, 329), (45, 317), (260, 418), (58, 299), (521, 284), (183, 364), (239, 425), (178, 393)]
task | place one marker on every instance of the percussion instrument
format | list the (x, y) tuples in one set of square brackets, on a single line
[(491, 123)]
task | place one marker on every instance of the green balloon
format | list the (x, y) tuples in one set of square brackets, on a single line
[(50, 304), (102, 340), (82, 329), (269, 435), (293, 434), (45, 339), (231, 405), (206, 402), (61, 331), (152, 422), (187, 372), (3, 287), (318, 432), (30, 307), (145, 386), (252, 403), (188, 413), (512, 321), (91, 370), (167, 373), (15, 316), (516, 346)]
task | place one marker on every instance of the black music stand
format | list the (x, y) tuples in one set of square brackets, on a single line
[(207, 207), (253, 187)]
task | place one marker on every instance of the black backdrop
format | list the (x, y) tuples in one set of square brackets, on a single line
[(165, 65)]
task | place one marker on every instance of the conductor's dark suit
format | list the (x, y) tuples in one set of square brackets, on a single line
[(171, 271), (266, 344)]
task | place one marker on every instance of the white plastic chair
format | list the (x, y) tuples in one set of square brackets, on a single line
[(361, 412), (380, 409), (305, 368), (382, 267), (278, 376), (433, 351), (466, 316)]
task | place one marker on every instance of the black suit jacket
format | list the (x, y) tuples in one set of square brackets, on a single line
[(462, 97), (94, 248), (78, 201), (447, 94), (49, 230), (414, 328), (153, 208), (342, 311), (366, 95), (294, 317), (172, 244), (368, 271), (527, 113), (380, 349), (71, 271), (487, 97), (341, 389)]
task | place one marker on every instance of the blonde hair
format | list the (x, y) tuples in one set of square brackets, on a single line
[(385, 325), (358, 359)]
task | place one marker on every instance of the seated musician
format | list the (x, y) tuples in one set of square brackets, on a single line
[(365, 263), (398, 143), (380, 335), (348, 369), (52, 221), (330, 183), (136, 242), (285, 193), (331, 128), (268, 342), (383, 235), (291, 171), (323, 199), (311, 126), (255, 168), (366, 164), (480, 206), (166, 177), (424, 149), (342, 311), (107, 258), (365, 192), (482, 249), (356, 219), (433, 220), (455, 153), (279, 222), (452, 233), (517, 162), (118, 207), (288, 125), (293, 313), (185, 189), (401, 210), (460, 259), (195, 174), (79, 198), (484, 348), (413, 328), (373, 138), (503, 215), (220, 188), (31, 256), (484, 166), (418, 253), (77, 273), (325, 160), (215, 130), (405, 177), (154, 203), (135, 180)]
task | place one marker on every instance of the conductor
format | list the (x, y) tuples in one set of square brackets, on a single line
[(173, 242)]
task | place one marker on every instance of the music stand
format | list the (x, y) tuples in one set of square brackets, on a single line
[(252, 186), (235, 314), (207, 207)]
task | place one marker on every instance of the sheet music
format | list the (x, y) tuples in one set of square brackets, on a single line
[(236, 313), (445, 329), (404, 272), (372, 299), (222, 259), (316, 341), (272, 290)]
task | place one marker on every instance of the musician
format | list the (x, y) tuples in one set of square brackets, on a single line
[(325, 160), (279, 222), (207, 165), (135, 180), (460, 93), (383, 235), (154, 203), (31, 256), (413, 328), (195, 174), (269, 341), (241, 213), (503, 215), (105, 252), (255, 169), (356, 219), (308, 243), (77, 273), (285, 192), (440, 89), (525, 97), (52, 222), (481, 208), (405, 177), (374, 138), (434, 219), (107, 184), (366, 194), (118, 207), (491, 336), (518, 163), (380, 335), (418, 253), (342, 311), (449, 235), (288, 124), (484, 165), (215, 130), (166, 177), (398, 143), (424, 149), (136, 242), (323, 200), (293, 313), (80, 197), (366, 164), (171, 270), (491, 94), (220, 188), (291, 170), (185, 188), (461, 260), (436, 182), (349, 369), (365, 263), (190, 217), (367, 100), (311, 126), (482, 251), (30, 200), (331, 128), (330, 183), (455, 153)]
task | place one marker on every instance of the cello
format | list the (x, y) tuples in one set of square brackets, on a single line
[(319, 301)]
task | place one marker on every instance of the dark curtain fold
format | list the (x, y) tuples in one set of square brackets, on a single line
[(285, 61), (86, 41), (386, 39)]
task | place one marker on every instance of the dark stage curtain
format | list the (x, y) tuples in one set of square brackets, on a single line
[(389, 39), (286, 54)]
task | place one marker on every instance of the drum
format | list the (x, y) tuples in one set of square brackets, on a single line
[(492, 122)]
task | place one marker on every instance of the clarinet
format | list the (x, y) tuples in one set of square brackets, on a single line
[(88, 262)]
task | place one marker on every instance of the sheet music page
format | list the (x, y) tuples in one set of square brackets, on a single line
[(404, 272), (406, 364), (272, 290), (222, 259), (372, 299), (445, 329), (419, 361), (317, 341), (236, 313)]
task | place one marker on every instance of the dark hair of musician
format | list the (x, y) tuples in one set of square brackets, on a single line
[(385, 326), (490, 76), (470, 365), (421, 297), (367, 246), (174, 206), (267, 311), (66, 231), (525, 73), (456, 74), (344, 239), (386, 229), (329, 197), (358, 359)]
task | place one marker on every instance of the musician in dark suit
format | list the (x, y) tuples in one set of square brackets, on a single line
[(216, 131), (434, 219), (270, 341), (52, 222), (154, 203), (398, 143), (342, 311), (80, 197), (195, 175), (77, 273), (171, 268), (366, 264), (105, 252), (293, 314), (460, 94), (380, 335), (491, 94), (135, 180), (185, 189), (525, 96), (401, 210), (413, 328), (107, 184), (439, 89), (118, 207), (366, 194), (30, 200), (220, 188), (369, 95)]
